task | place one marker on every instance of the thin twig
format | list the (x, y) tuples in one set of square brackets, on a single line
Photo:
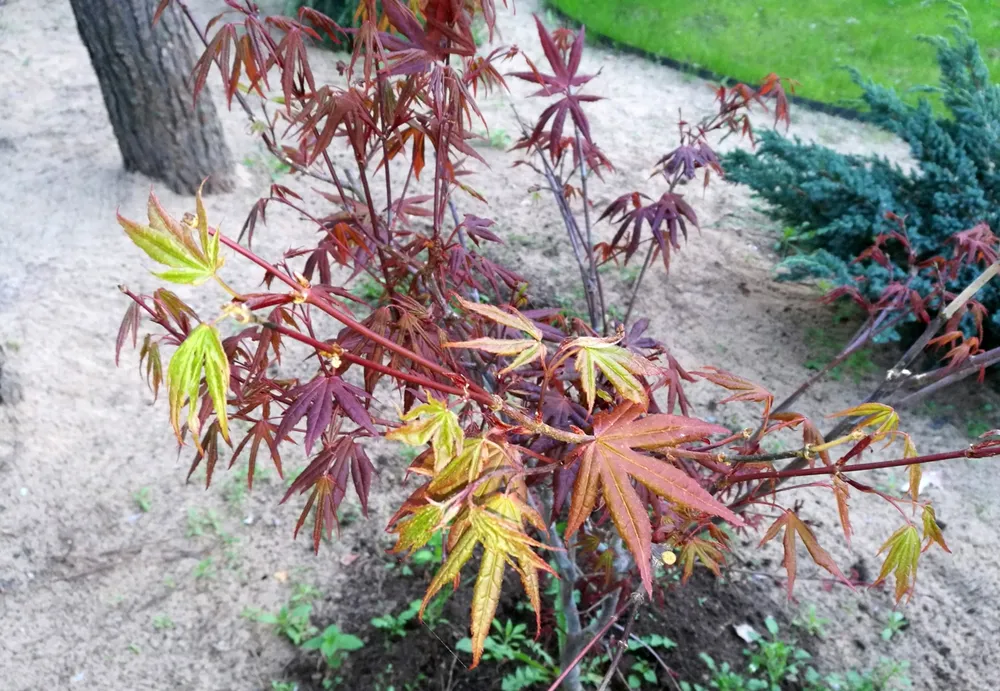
[(638, 282), (634, 602), (567, 670), (656, 656), (576, 238), (590, 239)]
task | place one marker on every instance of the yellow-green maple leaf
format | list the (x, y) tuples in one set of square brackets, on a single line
[(200, 356), (496, 525), (932, 531), (879, 416), (618, 365), (173, 244), (432, 422), (477, 457), (903, 553)]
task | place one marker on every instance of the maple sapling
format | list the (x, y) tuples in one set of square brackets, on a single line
[(526, 419)]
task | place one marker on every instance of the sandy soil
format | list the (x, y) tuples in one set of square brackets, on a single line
[(84, 573)]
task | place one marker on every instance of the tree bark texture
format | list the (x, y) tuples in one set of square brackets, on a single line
[(145, 77)]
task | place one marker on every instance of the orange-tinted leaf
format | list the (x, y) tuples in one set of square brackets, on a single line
[(416, 530), (512, 319), (159, 10), (611, 461), (477, 457), (745, 389), (793, 525), (914, 471), (527, 350), (840, 493), (708, 552), (150, 352), (811, 436)]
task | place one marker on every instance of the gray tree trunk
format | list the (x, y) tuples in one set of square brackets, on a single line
[(145, 76)]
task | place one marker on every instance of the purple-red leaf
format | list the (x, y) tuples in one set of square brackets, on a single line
[(316, 401)]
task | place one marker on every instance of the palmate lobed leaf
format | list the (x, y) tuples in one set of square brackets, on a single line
[(883, 418), (902, 554), (129, 327), (794, 526), (709, 553), (327, 476), (745, 389), (620, 366), (611, 461), (497, 526), (914, 472), (416, 529), (477, 457), (512, 319), (317, 401), (526, 350), (200, 356), (150, 353), (173, 244), (432, 422), (841, 494), (932, 531)]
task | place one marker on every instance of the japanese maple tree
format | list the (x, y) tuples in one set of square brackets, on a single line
[(526, 418)]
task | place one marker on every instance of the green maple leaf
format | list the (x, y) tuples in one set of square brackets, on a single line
[(903, 553), (618, 365), (200, 356), (173, 244), (432, 422), (497, 526)]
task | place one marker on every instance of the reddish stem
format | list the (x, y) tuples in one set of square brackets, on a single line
[(329, 348), (874, 465)]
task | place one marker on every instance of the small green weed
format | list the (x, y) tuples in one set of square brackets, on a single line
[(290, 622), (779, 661), (982, 422), (204, 570), (333, 644), (896, 623), (161, 622), (200, 522), (368, 289), (810, 622), (888, 675), (496, 139), (509, 644), (143, 498), (774, 664), (395, 625)]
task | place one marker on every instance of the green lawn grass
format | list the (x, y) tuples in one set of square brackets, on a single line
[(810, 41)]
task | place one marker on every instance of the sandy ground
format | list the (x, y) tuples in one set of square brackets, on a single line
[(88, 581)]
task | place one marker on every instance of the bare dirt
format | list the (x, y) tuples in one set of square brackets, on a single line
[(96, 592)]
